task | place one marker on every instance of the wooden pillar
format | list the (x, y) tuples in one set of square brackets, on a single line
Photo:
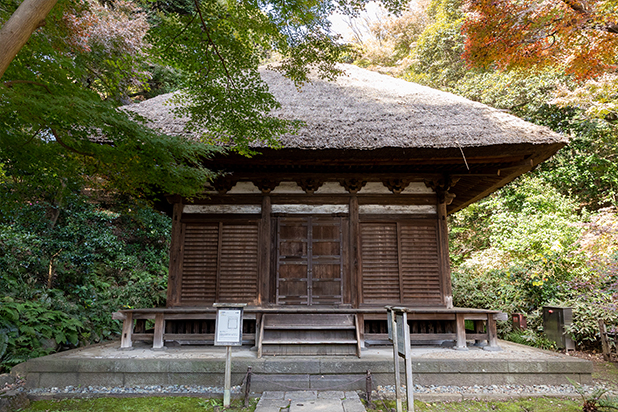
[(353, 277), (461, 332), (492, 334), (126, 341), (175, 257), (354, 282), (159, 328), (264, 245), (445, 264), (479, 328)]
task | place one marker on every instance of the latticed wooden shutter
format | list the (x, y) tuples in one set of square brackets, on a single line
[(420, 264), (379, 263), (220, 263), (199, 264), (400, 263), (238, 267)]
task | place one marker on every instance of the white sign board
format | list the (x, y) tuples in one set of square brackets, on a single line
[(228, 330)]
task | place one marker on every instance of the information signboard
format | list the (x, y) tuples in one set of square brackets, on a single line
[(228, 330)]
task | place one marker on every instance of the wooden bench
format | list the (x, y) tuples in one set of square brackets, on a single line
[(133, 327), (484, 325), (134, 324)]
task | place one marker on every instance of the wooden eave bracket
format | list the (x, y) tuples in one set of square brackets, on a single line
[(310, 185), (266, 185), (223, 184), (442, 186), (353, 185), (396, 185)]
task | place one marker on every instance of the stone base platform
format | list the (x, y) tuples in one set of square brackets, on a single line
[(106, 365)]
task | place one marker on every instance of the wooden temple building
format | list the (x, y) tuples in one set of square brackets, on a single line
[(349, 216)]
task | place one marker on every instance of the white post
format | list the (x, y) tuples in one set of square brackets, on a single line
[(408, 349), (227, 384), (393, 325)]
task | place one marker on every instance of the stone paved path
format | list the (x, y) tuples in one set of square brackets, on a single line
[(310, 401)]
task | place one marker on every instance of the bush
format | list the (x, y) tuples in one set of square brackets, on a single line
[(33, 329), (64, 270), (524, 251)]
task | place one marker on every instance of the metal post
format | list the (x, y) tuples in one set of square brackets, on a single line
[(227, 384), (408, 350), (396, 360), (368, 389), (247, 387)]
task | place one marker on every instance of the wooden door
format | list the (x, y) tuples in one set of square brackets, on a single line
[(309, 261)]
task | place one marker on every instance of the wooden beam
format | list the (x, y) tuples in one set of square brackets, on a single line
[(443, 250), (175, 268), (354, 280), (264, 248)]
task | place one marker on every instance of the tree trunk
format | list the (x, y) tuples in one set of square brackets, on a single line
[(16, 31)]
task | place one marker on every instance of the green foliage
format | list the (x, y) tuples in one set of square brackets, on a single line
[(34, 329), (76, 263), (437, 54), (587, 168), (595, 297), (530, 337), (598, 399), (532, 248), (525, 248), (390, 39), (60, 125)]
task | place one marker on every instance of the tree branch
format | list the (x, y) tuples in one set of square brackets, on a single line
[(69, 148), (12, 82), (179, 33), (31, 137), (212, 43), (14, 34)]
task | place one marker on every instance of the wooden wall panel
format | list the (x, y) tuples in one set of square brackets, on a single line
[(401, 263), (420, 263), (379, 263), (238, 267), (198, 283), (220, 263)]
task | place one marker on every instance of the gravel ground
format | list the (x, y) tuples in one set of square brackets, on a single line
[(387, 391), (135, 390)]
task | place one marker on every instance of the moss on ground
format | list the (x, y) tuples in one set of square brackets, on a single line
[(523, 405), (146, 404)]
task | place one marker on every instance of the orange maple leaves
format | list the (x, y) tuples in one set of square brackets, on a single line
[(581, 36)]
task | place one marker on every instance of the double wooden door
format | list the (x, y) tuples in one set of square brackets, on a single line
[(309, 260)]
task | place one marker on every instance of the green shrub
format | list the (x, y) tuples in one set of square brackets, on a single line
[(97, 258), (33, 329)]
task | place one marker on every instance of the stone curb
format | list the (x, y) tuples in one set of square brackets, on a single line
[(13, 400)]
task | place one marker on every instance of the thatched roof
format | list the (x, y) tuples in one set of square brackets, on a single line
[(367, 110)]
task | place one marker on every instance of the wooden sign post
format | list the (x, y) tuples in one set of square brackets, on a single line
[(228, 333), (399, 334)]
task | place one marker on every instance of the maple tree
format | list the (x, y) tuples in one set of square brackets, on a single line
[(579, 35), (77, 61)]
